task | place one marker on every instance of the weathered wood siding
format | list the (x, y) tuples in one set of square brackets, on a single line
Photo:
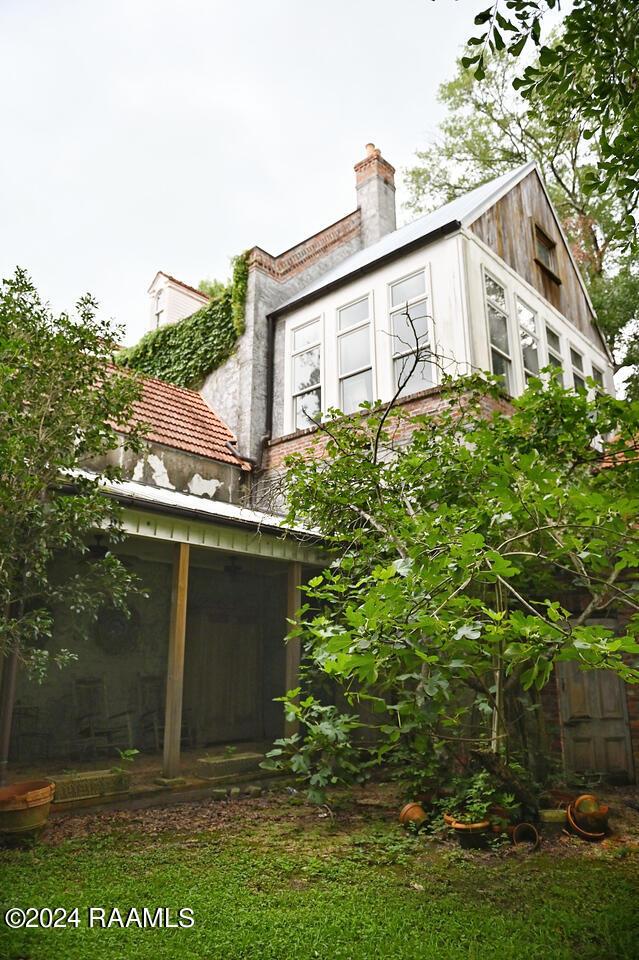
[(508, 229)]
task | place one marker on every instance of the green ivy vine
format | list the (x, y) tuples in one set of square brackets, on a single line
[(183, 353)]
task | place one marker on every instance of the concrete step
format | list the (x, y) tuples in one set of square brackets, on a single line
[(224, 767)]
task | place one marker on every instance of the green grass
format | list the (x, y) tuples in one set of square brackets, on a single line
[(300, 888)]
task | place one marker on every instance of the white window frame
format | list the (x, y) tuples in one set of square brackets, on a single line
[(393, 309), (578, 373), (292, 353), (520, 328), (601, 384), (368, 322), (552, 352), (159, 310), (505, 311)]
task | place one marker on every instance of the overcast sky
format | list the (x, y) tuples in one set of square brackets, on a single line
[(145, 135)]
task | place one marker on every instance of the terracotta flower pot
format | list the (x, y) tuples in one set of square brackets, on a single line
[(579, 830), (471, 836), (590, 815), (413, 813), (24, 807), (526, 834)]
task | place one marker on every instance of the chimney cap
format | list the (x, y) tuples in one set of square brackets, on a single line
[(372, 150)]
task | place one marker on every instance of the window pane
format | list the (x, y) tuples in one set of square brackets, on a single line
[(306, 335), (576, 359), (598, 376), (526, 317), (498, 329), (354, 350), (544, 248), (306, 369), (553, 340), (420, 379), (356, 313), (355, 390), (554, 361), (529, 352), (496, 292), (307, 405), (408, 288), (403, 334), (579, 383), (501, 367)]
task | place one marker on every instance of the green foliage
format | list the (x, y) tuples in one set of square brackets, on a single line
[(59, 398), (589, 76), (324, 755), (473, 560), (185, 352), (474, 796), (488, 130)]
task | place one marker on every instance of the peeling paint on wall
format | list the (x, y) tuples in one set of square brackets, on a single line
[(160, 473), (203, 488)]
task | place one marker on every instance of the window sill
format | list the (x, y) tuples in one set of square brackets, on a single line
[(550, 273)]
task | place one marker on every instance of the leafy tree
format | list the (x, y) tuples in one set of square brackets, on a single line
[(588, 77), (212, 288), (488, 130), (471, 560), (60, 399)]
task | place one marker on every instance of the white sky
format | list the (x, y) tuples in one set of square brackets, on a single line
[(145, 135)]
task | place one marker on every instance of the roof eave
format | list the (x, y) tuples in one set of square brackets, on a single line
[(444, 231)]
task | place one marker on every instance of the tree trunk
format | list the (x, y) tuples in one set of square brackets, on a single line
[(510, 780)]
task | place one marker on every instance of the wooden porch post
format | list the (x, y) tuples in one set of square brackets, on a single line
[(175, 671), (293, 652)]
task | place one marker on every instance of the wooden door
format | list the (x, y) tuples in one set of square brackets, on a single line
[(594, 718), (223, 678)]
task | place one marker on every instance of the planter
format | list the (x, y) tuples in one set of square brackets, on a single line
[(76, 787), (471, 836), (552, 822), (579, 830), (590, 815), (413, 813), (526, 834), (24, 808)]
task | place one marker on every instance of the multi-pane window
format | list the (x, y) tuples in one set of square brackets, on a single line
[(598, 377), (554, 349), (577, 362), (306, 359), (412, 369), (159, 309), (354, 355), (497, 314), (527, 320)]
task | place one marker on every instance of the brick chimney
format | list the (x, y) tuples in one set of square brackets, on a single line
[(375, 182)]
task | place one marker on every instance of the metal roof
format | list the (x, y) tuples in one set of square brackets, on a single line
[(458, 213)]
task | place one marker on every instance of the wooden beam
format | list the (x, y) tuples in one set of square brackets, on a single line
[(175, 670), (293, 650)]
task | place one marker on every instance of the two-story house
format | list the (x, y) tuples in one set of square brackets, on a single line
[(489, 283)]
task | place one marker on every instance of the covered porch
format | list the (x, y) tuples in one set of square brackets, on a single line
[(191, 677)]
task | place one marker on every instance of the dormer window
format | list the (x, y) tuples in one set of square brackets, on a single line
[(545, 253)]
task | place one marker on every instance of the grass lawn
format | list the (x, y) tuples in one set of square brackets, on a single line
[(269, 878)]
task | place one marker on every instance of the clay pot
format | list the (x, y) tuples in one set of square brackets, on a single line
[(471, 836), (24, 807), (413, 813), (579, 830), (590, 815), (526, 834)]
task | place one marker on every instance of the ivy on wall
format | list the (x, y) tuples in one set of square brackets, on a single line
[(185, 352)]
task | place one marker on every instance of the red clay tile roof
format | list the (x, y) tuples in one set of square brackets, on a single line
[(186, 286), (180, 418)]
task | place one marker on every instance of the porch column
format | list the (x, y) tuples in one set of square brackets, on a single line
[(175, 670), (293, 652)]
